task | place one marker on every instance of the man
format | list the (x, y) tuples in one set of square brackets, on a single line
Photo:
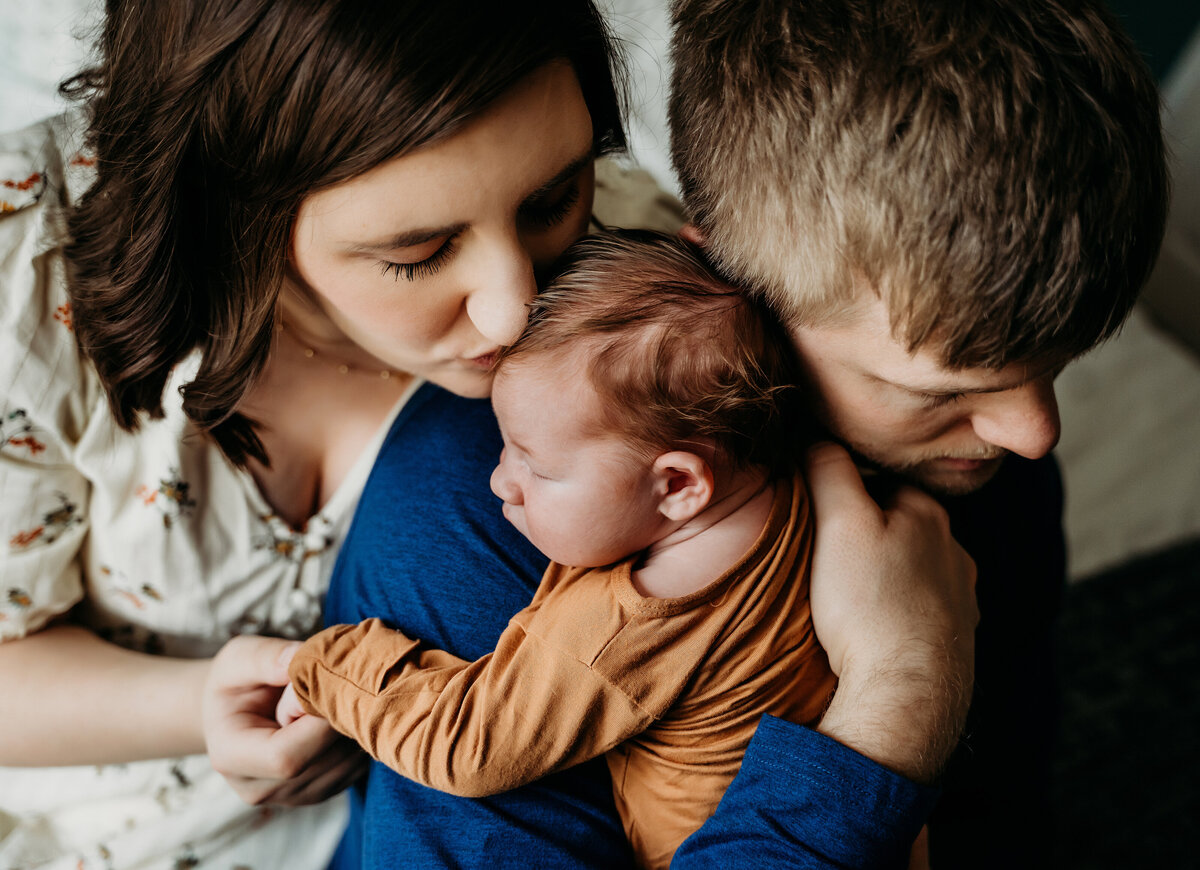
[(948, 202)]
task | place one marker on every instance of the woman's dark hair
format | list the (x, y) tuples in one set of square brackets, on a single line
[(212, 119)]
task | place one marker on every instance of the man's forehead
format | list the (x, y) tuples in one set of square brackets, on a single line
[(861, 336)]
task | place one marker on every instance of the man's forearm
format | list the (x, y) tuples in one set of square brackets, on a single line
[(906, 717)]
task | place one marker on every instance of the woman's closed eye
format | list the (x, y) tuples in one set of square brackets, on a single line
[(549, 210), (421, 268)]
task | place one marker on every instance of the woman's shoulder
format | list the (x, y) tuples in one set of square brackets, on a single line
[(42, 371), (45, 164)]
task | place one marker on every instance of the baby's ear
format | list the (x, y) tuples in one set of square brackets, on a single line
[(684, 483)]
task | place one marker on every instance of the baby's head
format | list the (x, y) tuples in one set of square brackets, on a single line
[(641, 389)]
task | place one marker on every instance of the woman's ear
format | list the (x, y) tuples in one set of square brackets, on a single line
[(684, 483)]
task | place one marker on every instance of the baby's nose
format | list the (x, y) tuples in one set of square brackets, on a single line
[(503, 485)]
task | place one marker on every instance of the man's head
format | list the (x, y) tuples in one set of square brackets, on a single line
[(971, 193), (642, 382)]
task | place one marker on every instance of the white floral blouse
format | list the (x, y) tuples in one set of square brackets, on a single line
[(152, 539)]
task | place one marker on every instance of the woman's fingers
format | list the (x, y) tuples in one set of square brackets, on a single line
[(335, 769), (245, 742), (341, 767)]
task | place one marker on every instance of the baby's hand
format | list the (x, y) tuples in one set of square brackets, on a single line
[(289, 708)]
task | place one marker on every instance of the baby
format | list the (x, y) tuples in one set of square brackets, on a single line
[(650, 421)]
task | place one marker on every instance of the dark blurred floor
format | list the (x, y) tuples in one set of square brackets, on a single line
[(1128, 768)]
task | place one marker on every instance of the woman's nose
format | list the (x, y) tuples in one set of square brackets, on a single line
[(499, 305)]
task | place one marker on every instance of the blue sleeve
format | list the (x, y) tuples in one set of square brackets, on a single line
[(803, 800), (430, 553)]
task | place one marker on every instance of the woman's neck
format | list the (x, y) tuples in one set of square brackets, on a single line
[(303, 322), (712, 542)]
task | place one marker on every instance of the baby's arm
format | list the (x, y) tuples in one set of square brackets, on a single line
[(468, 728)]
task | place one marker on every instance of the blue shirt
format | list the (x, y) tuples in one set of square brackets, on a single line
[(430, 553)]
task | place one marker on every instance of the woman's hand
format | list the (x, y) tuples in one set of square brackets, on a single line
[(893, 604), (302, 762), (289, 708)]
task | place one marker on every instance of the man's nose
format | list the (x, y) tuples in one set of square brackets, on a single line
[(1023, 420)]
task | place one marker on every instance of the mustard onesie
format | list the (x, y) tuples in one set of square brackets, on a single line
[(670, 690)]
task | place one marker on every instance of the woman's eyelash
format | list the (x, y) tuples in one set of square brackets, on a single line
[(549, 215), (423, 268), (538, 215)]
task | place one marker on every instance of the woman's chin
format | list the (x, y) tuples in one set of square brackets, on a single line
[(468, 384)]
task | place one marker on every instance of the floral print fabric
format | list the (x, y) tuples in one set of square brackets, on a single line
[(151, 539)]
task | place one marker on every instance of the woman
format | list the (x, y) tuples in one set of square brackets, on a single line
[(283, 218), (249, 323)]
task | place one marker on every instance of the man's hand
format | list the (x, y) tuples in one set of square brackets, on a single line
[(302, 762), (893, 604)]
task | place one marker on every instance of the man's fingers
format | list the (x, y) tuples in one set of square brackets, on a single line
[(835, 484), (916, 501)]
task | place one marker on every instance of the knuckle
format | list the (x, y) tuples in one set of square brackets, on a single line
[(255, 796), (824, 452), (287, 763)]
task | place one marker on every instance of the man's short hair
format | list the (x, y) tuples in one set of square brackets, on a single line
[(677, 356), (994, 169)]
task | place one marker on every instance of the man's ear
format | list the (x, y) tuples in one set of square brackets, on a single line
[(684, 484), (689, 232)]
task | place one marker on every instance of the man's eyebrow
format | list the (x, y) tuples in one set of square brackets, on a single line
[(955, 391), (952, 390)]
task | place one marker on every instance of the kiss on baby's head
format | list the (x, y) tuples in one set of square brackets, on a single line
[(677, 357)]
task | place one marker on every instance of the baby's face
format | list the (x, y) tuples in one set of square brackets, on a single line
[(579, 493)]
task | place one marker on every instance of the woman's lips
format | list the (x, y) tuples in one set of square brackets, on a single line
[(483, 361)]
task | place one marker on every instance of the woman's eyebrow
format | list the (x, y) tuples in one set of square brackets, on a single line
[(410, 238), (406, 239), (569, 171)]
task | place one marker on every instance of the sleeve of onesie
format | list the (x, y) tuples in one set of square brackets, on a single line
[(45, 395), (467, 728)]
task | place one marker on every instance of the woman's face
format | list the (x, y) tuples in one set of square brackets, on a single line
[(427, 261)]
